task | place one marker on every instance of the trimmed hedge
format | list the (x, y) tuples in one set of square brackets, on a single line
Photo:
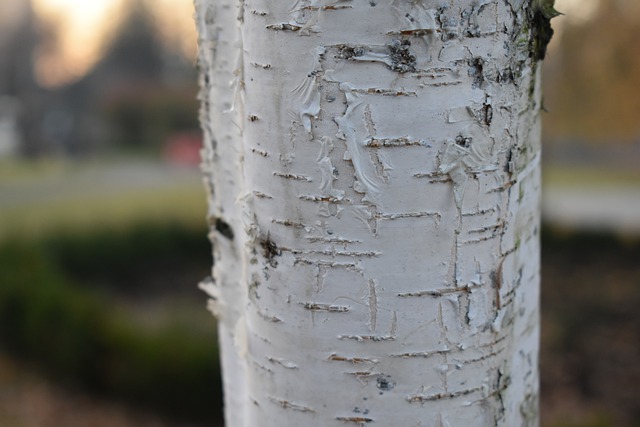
[(89, 337)]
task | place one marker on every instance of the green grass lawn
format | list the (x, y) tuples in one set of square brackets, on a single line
[(177, 204), (36, 198), (581, 176)]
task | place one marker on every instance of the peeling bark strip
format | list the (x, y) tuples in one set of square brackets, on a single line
[(355, 420), (283, 363), (420, 398), (423, 353), (372, 170), (362, 338), (334, 357), (437, 292), (289, 405), (325, 307)]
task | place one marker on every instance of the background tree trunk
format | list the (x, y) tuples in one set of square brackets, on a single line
[(373, 171)]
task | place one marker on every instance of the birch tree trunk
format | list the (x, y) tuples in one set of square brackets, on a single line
[(373, 173)]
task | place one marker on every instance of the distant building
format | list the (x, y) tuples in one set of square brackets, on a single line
[(9, 133), (135, 96), (19, 93), (183, 149)]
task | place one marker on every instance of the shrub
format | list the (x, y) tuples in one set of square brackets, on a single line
[(83, 336)]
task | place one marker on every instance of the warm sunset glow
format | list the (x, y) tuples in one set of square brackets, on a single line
[(175, 23), (82, 27), (573, 12), (85, 26)]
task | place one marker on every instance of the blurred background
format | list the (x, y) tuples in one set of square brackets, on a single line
[(103, 233)]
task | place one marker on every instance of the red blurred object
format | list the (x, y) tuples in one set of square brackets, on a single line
[(183, 149)]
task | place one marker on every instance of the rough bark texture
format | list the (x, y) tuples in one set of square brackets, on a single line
[(374, 183)]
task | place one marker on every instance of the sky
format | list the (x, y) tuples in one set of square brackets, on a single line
[(573, 12), (85, 27), (82, 27)]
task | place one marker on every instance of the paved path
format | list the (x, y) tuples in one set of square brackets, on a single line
[(614, 208)]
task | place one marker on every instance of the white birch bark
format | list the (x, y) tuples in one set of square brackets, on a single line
[(221, 109), (374, 171)]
